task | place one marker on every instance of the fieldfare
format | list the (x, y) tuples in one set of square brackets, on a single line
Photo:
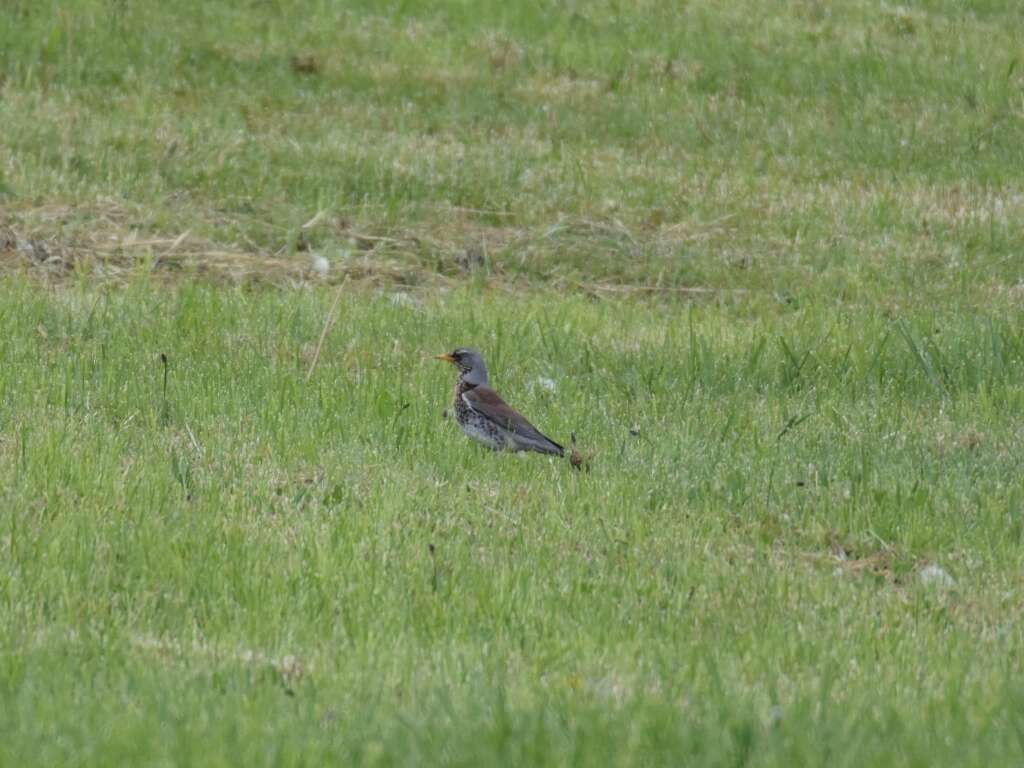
[(486, 417)]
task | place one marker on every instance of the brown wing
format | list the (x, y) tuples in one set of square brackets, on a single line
[(486, 402)]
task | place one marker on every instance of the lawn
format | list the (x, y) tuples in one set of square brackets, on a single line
[(765, 260)]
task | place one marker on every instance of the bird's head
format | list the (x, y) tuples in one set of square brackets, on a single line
[(470, 364)]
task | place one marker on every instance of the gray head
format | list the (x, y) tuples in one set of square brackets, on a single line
[(470, 364)]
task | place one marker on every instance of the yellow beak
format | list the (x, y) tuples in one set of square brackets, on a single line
[(446, 357)]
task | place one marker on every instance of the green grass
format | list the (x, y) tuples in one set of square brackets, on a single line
[(805, 146), (238, 568), (769, 254)]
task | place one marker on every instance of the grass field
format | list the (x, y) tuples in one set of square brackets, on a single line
[(765, 259)]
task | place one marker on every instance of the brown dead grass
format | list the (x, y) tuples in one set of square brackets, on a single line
[(56, 243), (113, 242)]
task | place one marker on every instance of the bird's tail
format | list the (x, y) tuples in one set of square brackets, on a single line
[(549, 446)]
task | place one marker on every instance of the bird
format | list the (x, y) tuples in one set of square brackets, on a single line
[(484, 416)]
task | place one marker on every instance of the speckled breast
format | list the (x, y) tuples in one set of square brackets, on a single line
[(472, 423)]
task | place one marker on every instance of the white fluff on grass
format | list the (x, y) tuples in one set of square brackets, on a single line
[(933, 575), (321, 265), (548, 385)]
